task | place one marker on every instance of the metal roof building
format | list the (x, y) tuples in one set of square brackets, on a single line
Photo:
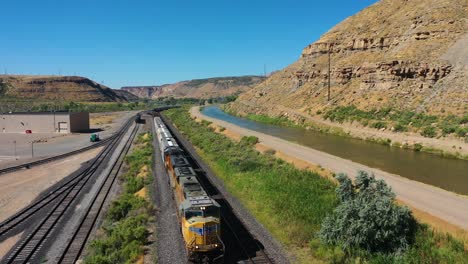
[(44, 122)]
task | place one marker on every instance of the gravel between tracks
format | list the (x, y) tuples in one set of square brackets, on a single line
[(170, 247), (59, 242)]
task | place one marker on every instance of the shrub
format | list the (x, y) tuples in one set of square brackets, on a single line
[(462, 131), (249, 140), (400, 127), (379, 125), (122, 206), (417, 147), (429, 131), (448, 129), (368, 217)]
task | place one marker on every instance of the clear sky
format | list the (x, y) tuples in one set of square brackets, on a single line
[(149, 42)]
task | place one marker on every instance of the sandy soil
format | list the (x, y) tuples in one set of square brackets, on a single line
[(100, 119), (428, 200), (18, 189), (6, 245)]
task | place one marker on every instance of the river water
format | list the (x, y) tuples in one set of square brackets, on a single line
[(446, 173)]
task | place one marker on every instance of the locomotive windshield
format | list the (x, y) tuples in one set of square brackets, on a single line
[(193, 213), (210, 211)]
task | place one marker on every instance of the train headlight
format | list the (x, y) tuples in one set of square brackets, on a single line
[(196, 247)]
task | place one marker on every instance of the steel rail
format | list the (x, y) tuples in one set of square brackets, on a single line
[(76, 244)]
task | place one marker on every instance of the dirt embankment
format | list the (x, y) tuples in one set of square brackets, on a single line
[(447, 144), (428, 203)]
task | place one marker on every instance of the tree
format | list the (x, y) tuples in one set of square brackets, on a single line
[(368, 217)]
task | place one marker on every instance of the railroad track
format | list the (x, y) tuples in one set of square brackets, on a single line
[(240, 239), (59, 200), (58, 157), (29, 211), (76, 244)]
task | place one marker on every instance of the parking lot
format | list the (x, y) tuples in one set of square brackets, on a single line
[(17, 148)]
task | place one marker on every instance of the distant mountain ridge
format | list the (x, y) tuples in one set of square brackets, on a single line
[(63, 88), (403, 54), (199, 88)]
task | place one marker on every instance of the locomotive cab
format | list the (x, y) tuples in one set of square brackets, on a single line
[(201, 228)]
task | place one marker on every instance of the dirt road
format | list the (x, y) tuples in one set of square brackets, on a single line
[(448, 206)]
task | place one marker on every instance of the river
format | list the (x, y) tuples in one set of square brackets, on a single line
[(446, 173)]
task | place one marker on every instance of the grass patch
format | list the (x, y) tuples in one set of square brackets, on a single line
[(279, 121), (293, 203), (125, 225), (426, 125)]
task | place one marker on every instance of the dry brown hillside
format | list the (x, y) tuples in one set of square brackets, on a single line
[(65, 88), (201, 88), (405, 54)]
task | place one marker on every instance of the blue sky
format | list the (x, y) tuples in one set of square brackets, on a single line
[(144, 42)]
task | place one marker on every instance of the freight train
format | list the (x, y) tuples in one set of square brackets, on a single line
[(198, 213)]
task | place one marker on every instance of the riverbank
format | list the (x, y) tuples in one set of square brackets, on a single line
[(451, 147), (425, 198), (292, 203)]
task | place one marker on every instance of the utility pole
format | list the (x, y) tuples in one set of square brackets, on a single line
[(14, 143), (329, 70)]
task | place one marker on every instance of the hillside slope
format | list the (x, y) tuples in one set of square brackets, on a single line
[(400, 54), (202, 88), (126, 95), (65, 88)]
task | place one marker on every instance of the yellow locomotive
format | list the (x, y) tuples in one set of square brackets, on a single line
[(199, 214)]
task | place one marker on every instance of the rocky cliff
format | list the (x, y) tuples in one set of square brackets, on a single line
[(201, 88), (405, 54), (63, 88)]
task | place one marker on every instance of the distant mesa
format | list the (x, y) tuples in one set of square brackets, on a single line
[(63, 88), (200, 88)]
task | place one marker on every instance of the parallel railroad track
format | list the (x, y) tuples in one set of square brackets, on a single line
[(58, 191), (59, 200), (76, 244), (58, 157), (240, 238)]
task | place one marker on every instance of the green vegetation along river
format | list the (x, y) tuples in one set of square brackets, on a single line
[(446, 173)]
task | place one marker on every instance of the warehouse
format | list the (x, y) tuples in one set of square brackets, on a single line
[(44, 122)]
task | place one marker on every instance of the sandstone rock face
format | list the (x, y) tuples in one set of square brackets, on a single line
[(63, 88), (407, 54), (202, 88)]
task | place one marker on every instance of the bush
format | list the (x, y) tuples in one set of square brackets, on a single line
[(122, 206), (368, 217), (249, 140), (400, 127), (379, 125), (417, 147), (462, 131), (429, 131)]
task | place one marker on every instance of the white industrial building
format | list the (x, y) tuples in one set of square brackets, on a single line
[(44, 122)]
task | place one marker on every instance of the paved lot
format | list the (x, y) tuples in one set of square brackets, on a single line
[(50, 144)]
